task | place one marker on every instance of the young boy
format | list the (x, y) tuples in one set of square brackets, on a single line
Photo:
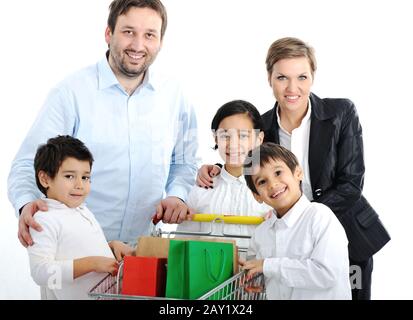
[(70, 255), (302, 248)]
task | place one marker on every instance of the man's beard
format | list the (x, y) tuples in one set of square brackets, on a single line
[(133, 73), (128, 72)]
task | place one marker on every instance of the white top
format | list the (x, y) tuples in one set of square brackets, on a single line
[(305, 252), (67, 234), (298, 143), (230, 196)]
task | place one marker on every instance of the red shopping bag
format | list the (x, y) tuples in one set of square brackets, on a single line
[(144, 276)]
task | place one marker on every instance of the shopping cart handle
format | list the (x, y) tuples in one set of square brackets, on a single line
[(230, 219)]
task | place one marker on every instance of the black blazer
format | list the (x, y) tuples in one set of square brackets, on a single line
[(336, 161)]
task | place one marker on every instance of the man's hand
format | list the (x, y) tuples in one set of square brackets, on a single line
[(172, 210), (121, 250), (205, 175), (26, 221)]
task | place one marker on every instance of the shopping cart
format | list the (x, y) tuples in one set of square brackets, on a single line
[(238, 287)]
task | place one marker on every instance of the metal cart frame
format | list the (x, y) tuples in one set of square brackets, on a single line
[(238, 287)]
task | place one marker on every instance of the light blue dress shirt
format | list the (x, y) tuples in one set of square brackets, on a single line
[(144, 146)]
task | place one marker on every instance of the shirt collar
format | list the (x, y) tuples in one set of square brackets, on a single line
[(306, 118), (227, 177), (108, 79), (151, 80), (54, 204), (292, 215)]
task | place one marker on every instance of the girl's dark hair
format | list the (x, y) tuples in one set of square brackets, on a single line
[(49, 156), (237, 107)]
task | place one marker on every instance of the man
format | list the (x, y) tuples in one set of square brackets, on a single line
[(138, 125)]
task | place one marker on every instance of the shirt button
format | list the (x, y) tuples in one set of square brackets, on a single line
[(319, 192)]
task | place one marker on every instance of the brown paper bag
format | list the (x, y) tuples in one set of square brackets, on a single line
[(152, 247)]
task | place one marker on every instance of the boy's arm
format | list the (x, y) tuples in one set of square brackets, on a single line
[(45, 269), (94, 264), (321, 269), (249, 264)]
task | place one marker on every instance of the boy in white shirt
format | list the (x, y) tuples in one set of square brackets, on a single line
[(302, 249), (70, 255)]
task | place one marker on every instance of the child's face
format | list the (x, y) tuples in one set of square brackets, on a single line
[(71, 185), (277, 186), (235, 137)]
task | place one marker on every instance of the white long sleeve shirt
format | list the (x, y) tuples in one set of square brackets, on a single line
[(68, 234), (305, 254), (230, 196)]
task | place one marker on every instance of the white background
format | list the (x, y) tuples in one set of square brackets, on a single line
[(218, 48)]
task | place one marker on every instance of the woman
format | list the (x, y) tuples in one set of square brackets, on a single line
[(326, 137)]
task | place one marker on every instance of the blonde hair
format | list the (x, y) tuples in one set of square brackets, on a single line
[(287, 48)]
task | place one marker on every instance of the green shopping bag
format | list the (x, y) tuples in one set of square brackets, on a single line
[(196, 267)]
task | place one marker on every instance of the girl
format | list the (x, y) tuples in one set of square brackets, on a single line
[(237, 129)]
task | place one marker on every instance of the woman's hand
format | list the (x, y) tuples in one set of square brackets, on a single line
[(205, 175)]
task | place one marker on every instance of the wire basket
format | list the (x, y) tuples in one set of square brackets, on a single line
[(238, 287)]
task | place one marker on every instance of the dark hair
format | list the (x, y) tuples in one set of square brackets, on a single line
[(263, 154), (237, 107), (49, 156), (120, 7)]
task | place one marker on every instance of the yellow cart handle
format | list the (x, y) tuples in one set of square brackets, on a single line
[(248, 220)]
